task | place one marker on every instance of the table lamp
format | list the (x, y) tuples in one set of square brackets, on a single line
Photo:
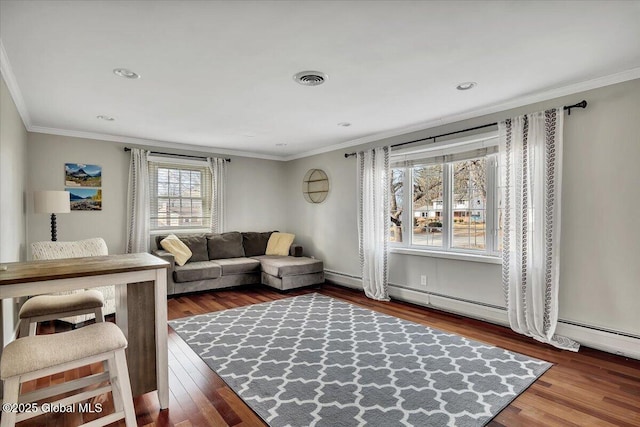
[(52, 202)]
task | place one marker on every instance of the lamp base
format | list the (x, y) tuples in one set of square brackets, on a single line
[(54, 236)]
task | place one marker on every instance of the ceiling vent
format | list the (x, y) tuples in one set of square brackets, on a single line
[(310, 78)]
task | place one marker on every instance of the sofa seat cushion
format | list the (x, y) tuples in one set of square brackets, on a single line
[(281, 266), (238, 265), (200, 270)]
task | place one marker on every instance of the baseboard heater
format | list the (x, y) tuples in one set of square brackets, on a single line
[(609, 340)]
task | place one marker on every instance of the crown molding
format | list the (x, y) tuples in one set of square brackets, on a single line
[(546, 95), (12, 85), (150, 143)]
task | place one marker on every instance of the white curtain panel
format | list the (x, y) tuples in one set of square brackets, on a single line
[(138, 205), (374, 221), (218, 168), (530, 173)]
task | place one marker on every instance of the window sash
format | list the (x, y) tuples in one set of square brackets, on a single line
[(186, 207)]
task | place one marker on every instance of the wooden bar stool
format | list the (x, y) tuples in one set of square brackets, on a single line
[(33, 357), (50, 307)]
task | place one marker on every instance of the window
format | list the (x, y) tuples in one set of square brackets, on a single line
[(427, 205), (452, 206), (180, 195)]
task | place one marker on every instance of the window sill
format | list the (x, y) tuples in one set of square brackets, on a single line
[(488, 259)]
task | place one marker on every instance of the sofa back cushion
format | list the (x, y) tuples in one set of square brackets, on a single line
[(255, 243), (197, 244), (225, 245)]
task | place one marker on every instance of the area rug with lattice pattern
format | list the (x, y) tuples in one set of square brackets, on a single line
[(313, 360)]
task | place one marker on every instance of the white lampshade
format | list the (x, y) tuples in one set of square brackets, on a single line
[(52, 202)]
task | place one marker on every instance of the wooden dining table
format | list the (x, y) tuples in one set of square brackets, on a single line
[(140, 281)]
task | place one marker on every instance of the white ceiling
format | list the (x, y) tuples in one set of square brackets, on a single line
[(219, 74)]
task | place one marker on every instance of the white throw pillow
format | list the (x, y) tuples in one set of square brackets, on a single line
[(174, 245), (279, 244)]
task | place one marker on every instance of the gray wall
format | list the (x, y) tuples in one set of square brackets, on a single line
[(13, 164), (47, 155), (255, 200), (600, 272)]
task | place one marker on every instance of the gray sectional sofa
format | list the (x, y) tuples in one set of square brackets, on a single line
[(233, 259)]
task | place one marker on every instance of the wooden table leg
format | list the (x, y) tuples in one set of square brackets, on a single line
[(162, 352), (141, 312)]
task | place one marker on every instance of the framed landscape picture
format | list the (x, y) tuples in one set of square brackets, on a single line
[(80, 175), (85, 199)]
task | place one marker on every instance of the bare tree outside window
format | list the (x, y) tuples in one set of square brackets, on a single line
[(397, 180)]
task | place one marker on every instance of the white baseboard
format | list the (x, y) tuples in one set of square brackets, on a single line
[(611, 342), (590, 336), (343, 279)]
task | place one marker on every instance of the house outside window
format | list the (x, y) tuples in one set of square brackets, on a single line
[(180, 195), (453, 204)]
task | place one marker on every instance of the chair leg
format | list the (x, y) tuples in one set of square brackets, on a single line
[(11, 392), (122, 380), (99, 315), (32, 328), (24, 327), (110, 364)]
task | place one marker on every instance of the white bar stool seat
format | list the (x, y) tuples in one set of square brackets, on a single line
[(33, 357), (41, 308)]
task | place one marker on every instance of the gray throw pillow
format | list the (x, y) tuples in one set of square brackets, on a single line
[(225, 245), (160, 238), (255, 243)]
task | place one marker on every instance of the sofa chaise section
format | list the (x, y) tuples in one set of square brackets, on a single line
[(285, 272)]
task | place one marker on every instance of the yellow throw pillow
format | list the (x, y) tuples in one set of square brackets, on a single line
[(279, 244), (174, 245)]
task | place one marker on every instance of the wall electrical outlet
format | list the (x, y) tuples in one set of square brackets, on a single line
[(423, 280)]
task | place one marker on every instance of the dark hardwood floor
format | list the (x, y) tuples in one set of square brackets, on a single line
[(588, 388)]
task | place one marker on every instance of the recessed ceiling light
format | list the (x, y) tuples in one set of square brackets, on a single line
[(127, 74), (466, 85), (344, 124), (105, 118), (310, 78)]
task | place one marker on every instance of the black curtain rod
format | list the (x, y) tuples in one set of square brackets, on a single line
[(177, 155), (581, 104)]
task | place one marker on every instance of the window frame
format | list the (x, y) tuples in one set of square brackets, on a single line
[(156, 162), (461, 147)]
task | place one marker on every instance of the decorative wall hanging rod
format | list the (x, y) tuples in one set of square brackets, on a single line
[(176, 155), (581, 104)]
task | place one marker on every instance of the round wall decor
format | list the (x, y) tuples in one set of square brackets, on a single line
[(315, 186)]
